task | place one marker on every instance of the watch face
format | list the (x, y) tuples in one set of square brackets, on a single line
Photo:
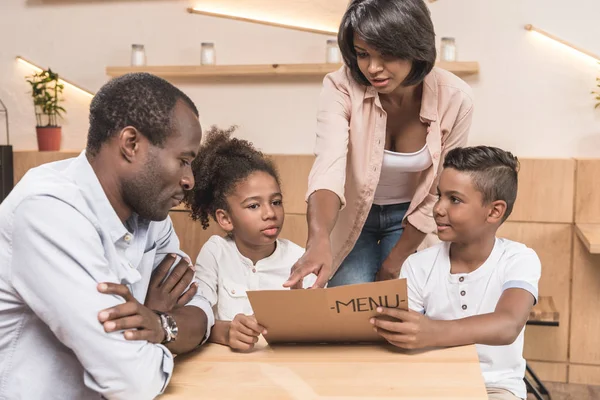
[(172, 327)]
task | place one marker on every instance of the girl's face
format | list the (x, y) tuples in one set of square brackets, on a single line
[(385, 73), (255, 214)]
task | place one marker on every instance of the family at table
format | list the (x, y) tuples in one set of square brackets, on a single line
[(96, 295)]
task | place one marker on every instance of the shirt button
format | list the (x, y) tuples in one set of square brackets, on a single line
[(462, 293), (127, 238), (464, 307), (254, 270), (233, 291), (461, 279), (436, 155), (130, 265)]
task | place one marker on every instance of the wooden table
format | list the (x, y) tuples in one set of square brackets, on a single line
[(327, 372)]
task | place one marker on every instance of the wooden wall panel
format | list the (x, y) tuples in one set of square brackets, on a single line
[(546, 191), (23, 161), (584, 374), (553, 244), (192, 237), (190, 233), (295, 229), (585, 320), (548, 371), (293, 172), (587, 198)]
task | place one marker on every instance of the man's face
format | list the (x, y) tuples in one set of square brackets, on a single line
[(166, 172)]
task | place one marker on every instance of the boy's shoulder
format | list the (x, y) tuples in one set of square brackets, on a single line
[(428, 257), (514, 252), (510, 251)]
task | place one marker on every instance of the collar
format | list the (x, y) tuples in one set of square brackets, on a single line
[(92, 190)]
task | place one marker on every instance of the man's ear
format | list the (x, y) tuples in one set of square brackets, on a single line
[(224, 220), (129, 142), (496, 211)]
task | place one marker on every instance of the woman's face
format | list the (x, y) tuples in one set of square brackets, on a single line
[(385, 73)]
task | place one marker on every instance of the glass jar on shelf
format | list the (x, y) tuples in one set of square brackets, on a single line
[(207, 54), (448, 49)]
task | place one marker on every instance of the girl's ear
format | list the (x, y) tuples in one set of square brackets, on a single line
[(224, 220)]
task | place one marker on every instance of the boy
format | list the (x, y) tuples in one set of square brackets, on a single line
[(472, 287)]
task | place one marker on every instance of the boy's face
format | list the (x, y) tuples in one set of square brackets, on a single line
[(460, 214)]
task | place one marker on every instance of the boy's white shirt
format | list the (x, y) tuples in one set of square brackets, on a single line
[(224, 275), (432, 290)]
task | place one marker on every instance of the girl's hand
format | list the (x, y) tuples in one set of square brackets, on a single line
[(244, 331)]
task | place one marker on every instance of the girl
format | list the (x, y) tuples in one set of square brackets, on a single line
[(385, 121), (239, 188)]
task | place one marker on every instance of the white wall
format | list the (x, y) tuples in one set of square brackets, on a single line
[(532, 96)]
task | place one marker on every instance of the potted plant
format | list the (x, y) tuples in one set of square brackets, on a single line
[(597, 93), (46, 91)]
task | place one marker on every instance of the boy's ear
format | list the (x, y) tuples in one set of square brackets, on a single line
[(497, 211), (224, 220)]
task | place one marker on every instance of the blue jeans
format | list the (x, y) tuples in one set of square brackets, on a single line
[(378, 237)]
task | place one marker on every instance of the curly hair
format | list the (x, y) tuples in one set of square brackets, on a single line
[(141, 100), (222, 162), (494, 172)]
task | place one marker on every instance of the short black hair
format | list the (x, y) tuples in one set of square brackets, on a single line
[(397, 28), (222, 162), (494, 172), (141, 100)]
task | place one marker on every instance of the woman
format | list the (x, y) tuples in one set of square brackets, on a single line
[(385, 121)]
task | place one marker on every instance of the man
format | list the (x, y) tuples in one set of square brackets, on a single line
[(87, 288)]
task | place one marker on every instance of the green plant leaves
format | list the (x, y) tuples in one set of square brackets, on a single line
[(46, 91)]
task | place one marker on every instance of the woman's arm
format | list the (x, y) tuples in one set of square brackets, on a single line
[(408, 243), (326, 182), (323, 209)]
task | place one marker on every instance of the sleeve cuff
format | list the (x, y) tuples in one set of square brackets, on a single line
[(422, 222), (320, 186), (204, 305), (167, 366), (522, 285)]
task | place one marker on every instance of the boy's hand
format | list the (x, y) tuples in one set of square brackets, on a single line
[(406, 329), (166, 294), (244, 331), (137, 320)]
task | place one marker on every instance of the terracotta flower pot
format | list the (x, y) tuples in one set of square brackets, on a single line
[(48, 138)]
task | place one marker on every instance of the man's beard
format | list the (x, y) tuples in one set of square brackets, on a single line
[(143, 194)]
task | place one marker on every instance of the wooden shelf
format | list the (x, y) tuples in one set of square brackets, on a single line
[(269, 70), (590, 236)]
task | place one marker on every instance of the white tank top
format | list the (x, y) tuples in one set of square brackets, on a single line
[(400, 175)]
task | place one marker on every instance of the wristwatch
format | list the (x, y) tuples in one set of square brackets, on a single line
[(169, 327)]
